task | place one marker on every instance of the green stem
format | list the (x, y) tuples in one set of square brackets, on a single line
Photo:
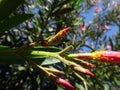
[(83, 80), (43, 53), (80, 55), (40, 68), (69, 63), (66, 50)]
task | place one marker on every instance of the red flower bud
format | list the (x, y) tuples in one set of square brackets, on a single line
[(53, 40), (65, 31), (83, 70), (65, 84), (102, 56), (107, 56), (89, 73), (91, 65), (44, 43)]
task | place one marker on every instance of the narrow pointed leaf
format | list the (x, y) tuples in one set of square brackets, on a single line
[(7, 7), (13, 21)]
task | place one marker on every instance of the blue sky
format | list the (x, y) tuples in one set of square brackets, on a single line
[(89, 16)]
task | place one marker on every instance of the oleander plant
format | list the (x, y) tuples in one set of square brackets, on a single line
[(48, 45)]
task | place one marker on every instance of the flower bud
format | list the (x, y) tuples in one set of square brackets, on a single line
[(83, 28), (44, 43), (107, 56), (102, 56), (80, 69), (52, 70), (83, 63), (59, 36), (91, 65), (61, 81), (65, 84)]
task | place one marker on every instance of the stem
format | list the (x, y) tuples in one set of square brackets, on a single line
[(63, 60), (81, 55), (82, 62), (66, 50), (83, 80), (40, 68), (52, 70), (69, 63), (43, 53), (35, 65)]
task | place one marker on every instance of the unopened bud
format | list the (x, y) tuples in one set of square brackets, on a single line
[(65, 83), (80, 69)]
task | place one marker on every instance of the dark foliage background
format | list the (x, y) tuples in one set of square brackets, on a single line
[(29, 21)]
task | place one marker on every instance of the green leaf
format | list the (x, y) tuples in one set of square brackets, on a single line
[(106, 87), (89, 33), (43, 60), (2, 2), (63, 11), (80, 87), (78, 4), (49, 61), (64, 2), (7, 7), (117, 81), (88, 47), (13, 21), (111, 43), (49, 48), (8, 56), (11, 59), (41, 2)]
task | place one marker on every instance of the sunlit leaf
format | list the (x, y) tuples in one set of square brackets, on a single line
[(49, 61)]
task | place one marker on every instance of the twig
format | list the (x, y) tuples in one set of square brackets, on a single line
[(66, 50), (83, 80)]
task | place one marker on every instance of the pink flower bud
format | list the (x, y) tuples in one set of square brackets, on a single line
[(98, 9), (83, 27), (102, 56), (116, 5), (87, 72), (80, 69), (108, 56), (92, 65), (65, 84), (106, 27), (108, 47)]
